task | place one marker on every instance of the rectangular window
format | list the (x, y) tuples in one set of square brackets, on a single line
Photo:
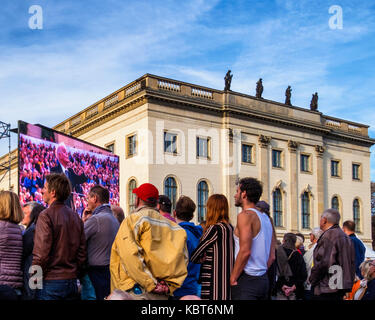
[(131, 145), (305, 163), (203, 147), (111, 147), (276, 158), (335, 168), (170, 142), (247, 153), (355, 171)]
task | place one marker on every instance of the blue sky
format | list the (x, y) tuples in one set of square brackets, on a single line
[(88, 49)]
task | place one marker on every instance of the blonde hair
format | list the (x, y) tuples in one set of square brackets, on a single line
[(365, 268), (10, 207)]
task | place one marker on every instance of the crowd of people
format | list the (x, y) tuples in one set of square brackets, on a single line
[(85, 170), (156, 253)]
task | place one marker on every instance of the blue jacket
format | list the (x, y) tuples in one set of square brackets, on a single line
[(190, 285), (360, 251)]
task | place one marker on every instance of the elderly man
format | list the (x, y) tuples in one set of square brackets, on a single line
[(334, 260), (149, 256), (64, 166), (308, 257)]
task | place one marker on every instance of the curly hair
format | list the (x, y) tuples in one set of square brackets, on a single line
[(253, 188)]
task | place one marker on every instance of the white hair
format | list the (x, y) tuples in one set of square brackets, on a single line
[(299, 241), (316, 232), (332, 216)]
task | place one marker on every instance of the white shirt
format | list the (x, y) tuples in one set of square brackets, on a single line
[(260, 247)]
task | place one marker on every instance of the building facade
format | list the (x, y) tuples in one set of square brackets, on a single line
[(196, 141)]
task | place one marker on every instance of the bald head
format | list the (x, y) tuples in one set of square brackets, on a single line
[(62, 155)]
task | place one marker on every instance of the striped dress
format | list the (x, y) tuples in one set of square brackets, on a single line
[(218, 245)]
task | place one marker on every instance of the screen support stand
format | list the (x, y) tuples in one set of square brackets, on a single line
[(5, 167)]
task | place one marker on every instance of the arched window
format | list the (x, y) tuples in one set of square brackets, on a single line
[(277, 208), (335, 203), (202, 200), (170, 190), (131, 196), (356, 214), (305, 206)]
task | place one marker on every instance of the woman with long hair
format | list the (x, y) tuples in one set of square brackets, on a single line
[(31, 213), (10, 243), (216, 250)]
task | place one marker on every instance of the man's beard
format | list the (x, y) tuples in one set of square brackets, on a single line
[(238, 203)]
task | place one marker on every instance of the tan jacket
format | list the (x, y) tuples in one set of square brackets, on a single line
[(147, 248)]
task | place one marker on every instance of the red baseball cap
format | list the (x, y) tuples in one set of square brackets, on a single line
[(146, 191)]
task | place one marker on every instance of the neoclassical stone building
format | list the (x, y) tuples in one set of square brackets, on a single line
[(195, 141)]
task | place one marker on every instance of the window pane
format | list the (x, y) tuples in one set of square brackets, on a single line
[(277, 208), (111, 147), (276, 158), (202, 200), (335, 203), (170, 142), (334, 168), (305, 162), (131, 195), (132, 145), (246, 153), (170, 190), (305, 211), (355, 171), (356, 215), (202, 147)]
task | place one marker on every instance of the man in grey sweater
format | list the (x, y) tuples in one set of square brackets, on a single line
[(100, 230)]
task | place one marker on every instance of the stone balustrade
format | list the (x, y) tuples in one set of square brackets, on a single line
[(200, 93), (171, 86)]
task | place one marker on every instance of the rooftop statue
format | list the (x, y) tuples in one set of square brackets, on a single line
[(259, 89), (288, 94), (228, 80), (314, 102)]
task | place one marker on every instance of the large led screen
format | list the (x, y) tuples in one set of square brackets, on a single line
[(42, 151)]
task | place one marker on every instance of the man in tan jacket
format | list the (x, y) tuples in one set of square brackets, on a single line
[(149, 256)]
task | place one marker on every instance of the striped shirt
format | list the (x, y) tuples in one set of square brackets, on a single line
[(218, 245)]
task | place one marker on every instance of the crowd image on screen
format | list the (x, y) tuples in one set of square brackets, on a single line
[(37, 159)]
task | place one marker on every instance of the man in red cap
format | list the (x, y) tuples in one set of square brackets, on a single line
[(149, 256)]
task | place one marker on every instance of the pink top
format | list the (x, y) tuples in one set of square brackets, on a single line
[(168, 216)]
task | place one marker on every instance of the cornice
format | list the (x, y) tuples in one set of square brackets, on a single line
[(149, 95)]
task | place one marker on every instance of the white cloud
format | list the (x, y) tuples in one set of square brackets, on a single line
[(47, 83)]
